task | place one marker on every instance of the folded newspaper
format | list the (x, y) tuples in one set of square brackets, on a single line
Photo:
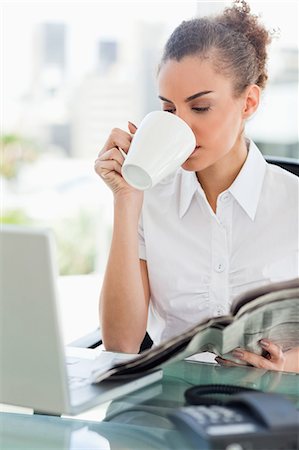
[(270, 311)]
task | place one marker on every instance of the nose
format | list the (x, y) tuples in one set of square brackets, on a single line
[(186, 118)]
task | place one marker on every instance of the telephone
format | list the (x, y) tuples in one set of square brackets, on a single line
[(247, 421)]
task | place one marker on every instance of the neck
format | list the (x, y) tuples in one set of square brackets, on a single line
[(219, 177)]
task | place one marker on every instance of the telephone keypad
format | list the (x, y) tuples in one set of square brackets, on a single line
[(213, 415)]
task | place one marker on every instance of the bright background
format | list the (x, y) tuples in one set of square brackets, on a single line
[(73, 70)]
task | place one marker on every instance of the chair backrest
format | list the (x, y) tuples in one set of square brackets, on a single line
[(290, 164)]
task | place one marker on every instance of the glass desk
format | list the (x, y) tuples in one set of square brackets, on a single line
[(139, 420)]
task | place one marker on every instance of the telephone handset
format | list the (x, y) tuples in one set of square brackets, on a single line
[(247, 421)]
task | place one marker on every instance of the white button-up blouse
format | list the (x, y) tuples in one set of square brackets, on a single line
[(199, 261)]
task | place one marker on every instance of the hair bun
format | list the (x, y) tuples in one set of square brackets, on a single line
[(240, 19)]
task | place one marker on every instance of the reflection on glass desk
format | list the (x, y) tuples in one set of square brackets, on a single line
[(139, 420)]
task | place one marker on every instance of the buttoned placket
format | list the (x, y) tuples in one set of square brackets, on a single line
[(221, 230)]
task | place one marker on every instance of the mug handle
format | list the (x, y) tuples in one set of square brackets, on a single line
[(122, 152)]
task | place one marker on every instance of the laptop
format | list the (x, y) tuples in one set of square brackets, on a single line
[(35, 371)]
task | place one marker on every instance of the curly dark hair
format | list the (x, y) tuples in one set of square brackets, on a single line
[(234, 40)]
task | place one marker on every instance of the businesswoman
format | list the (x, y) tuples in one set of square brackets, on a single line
[(183, 250)]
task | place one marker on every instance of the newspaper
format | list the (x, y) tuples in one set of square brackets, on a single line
[(269, 312)]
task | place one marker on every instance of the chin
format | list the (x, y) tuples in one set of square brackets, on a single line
[(198, 162), (188, 167), (192, 165)]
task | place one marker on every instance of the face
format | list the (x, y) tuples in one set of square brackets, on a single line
[(204, 99)]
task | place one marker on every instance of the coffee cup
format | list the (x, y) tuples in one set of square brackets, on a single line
[(161, 144)]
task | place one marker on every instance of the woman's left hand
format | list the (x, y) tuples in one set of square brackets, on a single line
[(274, 359)]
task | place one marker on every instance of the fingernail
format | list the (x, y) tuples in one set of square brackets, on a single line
[(133, 125), (264, 343), (219, 361), (238, 354)]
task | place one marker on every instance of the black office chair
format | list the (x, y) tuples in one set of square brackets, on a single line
[(290, 164)]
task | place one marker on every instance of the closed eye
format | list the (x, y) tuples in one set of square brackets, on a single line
[(207, 108), (196, 109), (170, 110)]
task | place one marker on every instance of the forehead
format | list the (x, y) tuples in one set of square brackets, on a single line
[(190, 75)]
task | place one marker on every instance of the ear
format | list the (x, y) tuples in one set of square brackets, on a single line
[(251, 100)]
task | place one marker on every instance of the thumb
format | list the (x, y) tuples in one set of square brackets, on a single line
[(132, 127)]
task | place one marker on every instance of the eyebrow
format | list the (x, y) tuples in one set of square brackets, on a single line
[(188, 99)]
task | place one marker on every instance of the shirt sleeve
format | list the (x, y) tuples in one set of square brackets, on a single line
[(142, 249)]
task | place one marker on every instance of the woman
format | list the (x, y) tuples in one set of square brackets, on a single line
[(187, 247)]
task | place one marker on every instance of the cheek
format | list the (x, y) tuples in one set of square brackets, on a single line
[(217, 134), (223, 125)]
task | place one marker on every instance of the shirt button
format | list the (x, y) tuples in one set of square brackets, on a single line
[(219, 311), (225, 197), (219, 267)]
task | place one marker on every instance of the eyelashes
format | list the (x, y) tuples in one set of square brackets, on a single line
[(197, 110), (207, 108)]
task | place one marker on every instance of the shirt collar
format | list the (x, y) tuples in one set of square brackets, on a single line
[(189, 185), (246, 188)]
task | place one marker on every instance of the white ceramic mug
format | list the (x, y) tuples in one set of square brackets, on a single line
[(161, 144)]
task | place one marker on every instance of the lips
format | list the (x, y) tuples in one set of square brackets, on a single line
[(196, 148)]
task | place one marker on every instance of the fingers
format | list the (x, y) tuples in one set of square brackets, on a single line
[(226, 362), (104, 167), (112, 155), (108, 164), (117, 138), (274, 350), (252, 358), (110, 161), (274, 361), (132, 128)]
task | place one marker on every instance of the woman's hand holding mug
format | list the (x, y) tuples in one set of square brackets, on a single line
[(109, 162)]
